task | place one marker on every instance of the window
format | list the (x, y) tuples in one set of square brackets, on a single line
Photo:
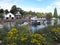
[(6, 17), (16, 17), (9, 15), (12, 17)]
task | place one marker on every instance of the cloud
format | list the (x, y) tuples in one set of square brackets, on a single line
[(34, 9), (55, 4), (49, 8), (7, 4)]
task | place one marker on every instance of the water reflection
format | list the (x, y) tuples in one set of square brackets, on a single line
[(52, 22), (58, 21), (41, 26), (33, 28)]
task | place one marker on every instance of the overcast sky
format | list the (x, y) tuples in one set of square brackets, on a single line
[(34, 5)]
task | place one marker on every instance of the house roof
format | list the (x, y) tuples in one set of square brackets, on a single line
[(9, 14), (18, 13), (34, 18)]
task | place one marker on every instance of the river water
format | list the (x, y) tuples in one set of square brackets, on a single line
[(33, 28)]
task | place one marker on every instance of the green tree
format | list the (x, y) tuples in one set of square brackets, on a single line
[(21, 11), (1, 11), (30, 12), (1, 15), (6, 11), (25, 12), (55, 13), (13, 9), (40, 14), (48, 16)]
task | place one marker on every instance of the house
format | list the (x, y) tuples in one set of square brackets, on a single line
[(9, 20), (38, 20), (18, 15), (9, 16), (34, 18)]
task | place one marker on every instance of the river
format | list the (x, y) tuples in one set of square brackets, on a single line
[(33, 28)]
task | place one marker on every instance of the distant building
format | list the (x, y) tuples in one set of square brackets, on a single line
[(34, 18), (18, 15), (9, 20), (9, 16)]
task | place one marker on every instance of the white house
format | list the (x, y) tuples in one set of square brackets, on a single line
[(9, 20), (9, 16), (18, 15), (34, 18)]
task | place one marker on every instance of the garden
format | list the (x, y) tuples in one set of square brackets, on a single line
[(22, 36)]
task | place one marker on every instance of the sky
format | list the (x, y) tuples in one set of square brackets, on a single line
[(33, 5)]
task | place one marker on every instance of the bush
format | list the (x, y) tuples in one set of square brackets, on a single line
[(16, 37)]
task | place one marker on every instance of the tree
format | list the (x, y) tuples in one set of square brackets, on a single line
[(1, 11), (40, 14), (6, 11), (1, 15), (21, 11), (30, 12), (55, 13), (13, 9), (33, 13), (48, 16), (25, 12)]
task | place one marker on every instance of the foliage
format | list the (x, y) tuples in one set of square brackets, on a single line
[(1, 11), (55, 13), (40, 14), (38, 39), (3, 33), (13, 9), (48, 16), (56, 31), (23, 37), (52, 33), (1, 15), (11, 37), (6, 11), (55, 22)]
